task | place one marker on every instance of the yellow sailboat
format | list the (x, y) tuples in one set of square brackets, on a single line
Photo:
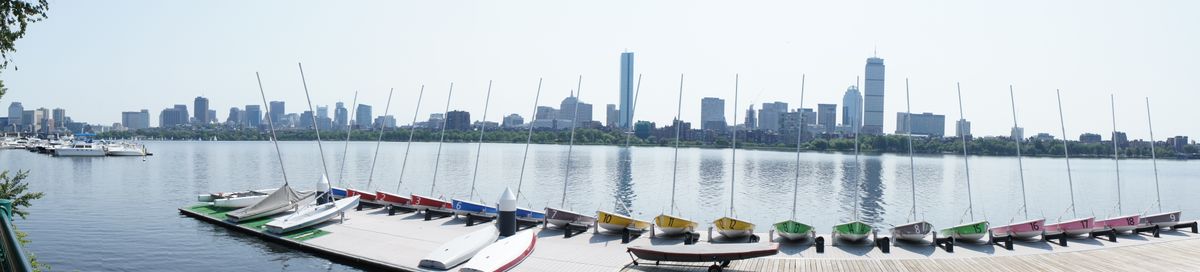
[(611, 221), (733, 228), (667, 223), (728, 226)]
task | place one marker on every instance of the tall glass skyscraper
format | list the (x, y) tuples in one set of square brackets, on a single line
[(852, 109), (873, 88), (626, 117)]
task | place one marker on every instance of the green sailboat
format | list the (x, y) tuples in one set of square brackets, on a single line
[(855, 230), (790, 229), (974, 230)]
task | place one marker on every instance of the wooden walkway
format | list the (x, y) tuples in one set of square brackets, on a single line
[(1180, 255)]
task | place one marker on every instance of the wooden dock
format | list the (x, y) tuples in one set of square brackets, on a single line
[(372, 239)]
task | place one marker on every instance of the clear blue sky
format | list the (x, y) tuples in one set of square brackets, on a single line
[(98, 58)]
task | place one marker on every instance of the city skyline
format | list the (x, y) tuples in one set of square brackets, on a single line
[(985, 61)]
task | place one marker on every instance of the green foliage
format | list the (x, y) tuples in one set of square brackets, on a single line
[(22, 237), (15, 16), (14, 188)]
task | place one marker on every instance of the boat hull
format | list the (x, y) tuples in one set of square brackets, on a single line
[(362, 195), (338, 193), (912, 232), (616, 222), (466, 207), (311, 215), (460, 249), (1073, 227), (733, 228), (562, 218), (673, 225), (1120, 224), (969, 232), (386, 198), (794, 231), (79, 152), (433, 204), (1162, 220), (703, 252), (1021, 230), (238, 202), (853, 231), (530, 216), (505, 254)]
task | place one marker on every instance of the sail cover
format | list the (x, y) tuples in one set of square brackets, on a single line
[(281, 200)]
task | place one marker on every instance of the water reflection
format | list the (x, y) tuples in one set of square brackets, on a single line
[(712, 177), (623, 193), (872, 187)]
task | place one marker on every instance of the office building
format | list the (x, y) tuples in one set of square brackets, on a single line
[(573, 109), (276, 111), (183, 114), (712, 114), (627, 95), (1122, 140), (385, 122), (751, 120), (514, 120), (136, 119), (253, 115), (458, 120), (545, 113), (362, 116), (235, 117), (200, 108), (928, 124), (306, 120), (611, 115), (16, 113), (29, 121), (1178, 143), (341, 116), (1089, 138), (60, 118), (770, 116), (173, 117), (852, 109), (1017, 133), (962, 128), (827, 117), (873, 88)]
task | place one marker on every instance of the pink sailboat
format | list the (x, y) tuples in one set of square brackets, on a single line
[(1123, 223), (1077, 226), (1024, 229)]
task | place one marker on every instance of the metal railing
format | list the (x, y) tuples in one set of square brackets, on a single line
[(12, 257)]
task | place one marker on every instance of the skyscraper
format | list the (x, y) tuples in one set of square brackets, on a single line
[(873, 86), (235, 117), (827, 117), (183, 114), (712, 114), (852, 109), (362, 116), (212, 116), (174, 116), (626, 118), (567, 111), (341, 116), (45, 120), (200, 108), (751, 120), (60, 118), (770, 116), (611, 115), (962, 128), (275, 111), (15, 115), (253, 115)]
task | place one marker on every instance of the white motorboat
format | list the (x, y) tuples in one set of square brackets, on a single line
[(80, 149), (461, 249), (311, 215), (505, 254), (126, 149)]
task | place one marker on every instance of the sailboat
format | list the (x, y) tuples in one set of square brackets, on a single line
[(1028, 228), (615, 221), (562, 217), (853, 231), (365, 196), (399, 200), (1080, 225), (314, 213), (339, 192), (791, 229), (432, 204), (912, 231), (526, 215), (1160, 219), (467, 206), (668, 222), (1122, 223), (729, 226), (279, 200), (974, 230)]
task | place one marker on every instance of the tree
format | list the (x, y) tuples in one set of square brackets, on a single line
[(15, 16), (14, 188)]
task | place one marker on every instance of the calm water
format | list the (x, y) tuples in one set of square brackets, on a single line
[(120, 213)]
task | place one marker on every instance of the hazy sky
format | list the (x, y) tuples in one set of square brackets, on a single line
[(98, 58)]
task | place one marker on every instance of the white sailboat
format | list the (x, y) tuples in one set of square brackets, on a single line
[(1160, 219), (526, 215), (561, 216), (915, 230)]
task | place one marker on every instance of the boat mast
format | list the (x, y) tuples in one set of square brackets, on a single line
[(571, 145), (378, 140), (479, 148), (1112, 99), (675, 166), (412, 129), (636, 93), (911, 164), (733, 166), (324, 167), (270, 124), (799, 133), (1066, 152), (1153, 157), (857, 122), (963, 136), (438, 159), (528, 138), (346, 148), (1020, 166)]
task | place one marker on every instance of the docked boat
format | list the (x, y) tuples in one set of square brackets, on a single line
[(338, 192), (530, 216), (1160, 219), (460, 249), (80, 149), (674, 225), (975, 230), (912, 231), (362, 195), (281, 200), (615, 222), (791, 229), (1073, 227), (1123, 223), (214, 196), (385, 198), (669, 223), (1029, 228), (854, 232), (505, 254), (563, 218), (240, 199), (719, 254), (311, 215), (467, 207), (125, 149), (433, 204), (729, 226), (794, 231)]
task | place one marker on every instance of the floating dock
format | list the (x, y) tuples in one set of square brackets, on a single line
[(371, 239)]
